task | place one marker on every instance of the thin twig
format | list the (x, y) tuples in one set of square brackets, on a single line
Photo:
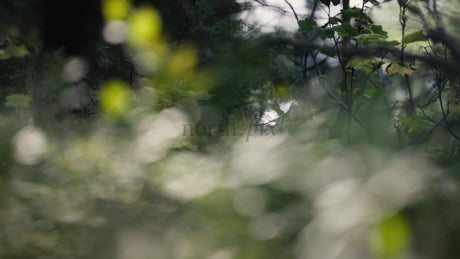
[(444, 115), (293, 10)]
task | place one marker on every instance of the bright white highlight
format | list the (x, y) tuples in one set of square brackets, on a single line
[(276, 14), (74, 70), (115, 32), (29, 145)]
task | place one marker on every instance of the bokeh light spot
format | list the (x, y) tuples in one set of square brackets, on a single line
[(267, 226), (144, 27), (115, 97), (249, 202), (115, 32), (391, 237), (115, 9), (30, 144), (74, 70), (183, 59)]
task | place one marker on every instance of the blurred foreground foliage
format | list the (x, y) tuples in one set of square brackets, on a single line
[(183, 132)]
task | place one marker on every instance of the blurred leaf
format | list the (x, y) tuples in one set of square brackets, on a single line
[(334, 20), (329, 51), (378, 29), (281, 93), (391, 237), (400, 68), (387, 43), (412, 122), (353, 12), (368, 38), (325, 2), (328, 79), (307, 25), (374, 93), (347, 30), (362, 63), (17, 101), (183, 59), (357, 13), (277, 109), (12, 51), (415, 36), (326, 33)]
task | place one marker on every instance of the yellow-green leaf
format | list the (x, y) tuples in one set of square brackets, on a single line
[(12, 51), (17, 101), (400, 68)]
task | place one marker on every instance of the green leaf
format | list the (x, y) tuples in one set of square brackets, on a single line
[(326, 34), (328, 51), (325, 2), (12, 51), (378, 29), (307, 25), (334, 20), (368, 38), (347, 30), (387, 43), (335, 2), (412, 122), (353, 12), (358, 14), (374, 93), (415, 36), (17, 101), (362, 63)]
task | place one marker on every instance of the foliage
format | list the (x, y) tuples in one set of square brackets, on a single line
[(334, 141)]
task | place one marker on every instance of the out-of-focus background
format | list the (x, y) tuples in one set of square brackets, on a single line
[(229, 129)]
